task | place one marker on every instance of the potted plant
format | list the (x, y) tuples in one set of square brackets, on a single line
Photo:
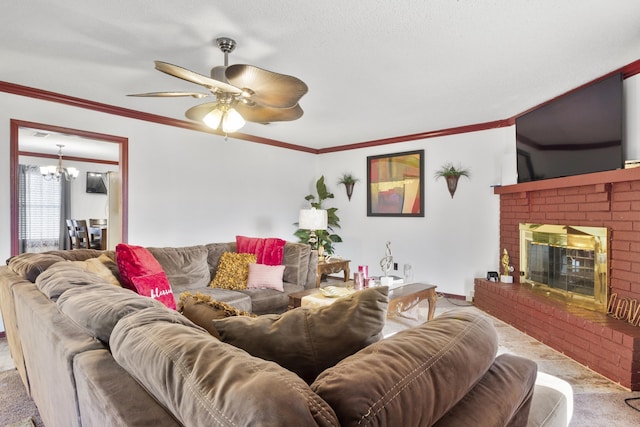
[(452, 174), (326, 238), (349, 181)]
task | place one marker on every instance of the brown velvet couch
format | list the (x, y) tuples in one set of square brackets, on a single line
[(91, 353)]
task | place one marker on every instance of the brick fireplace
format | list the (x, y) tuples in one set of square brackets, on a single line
[(606, 199)]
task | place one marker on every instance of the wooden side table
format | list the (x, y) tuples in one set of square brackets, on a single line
[(332, 266)]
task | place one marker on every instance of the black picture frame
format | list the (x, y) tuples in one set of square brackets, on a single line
[(395, 184)]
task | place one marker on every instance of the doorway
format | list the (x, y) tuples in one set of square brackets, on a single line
[(90, 149)]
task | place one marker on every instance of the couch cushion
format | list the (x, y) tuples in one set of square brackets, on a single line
[(207, 382), (98, 307), (269, 250), (315, 338), (270, 301), (265, 277), (296, 260), (215, 251), (514, 378), (30, 265), (201, 309), (185, 267), (65, 275), (109, 397), (233, 271), (80, 254), (142, 273), (415, 376), (99, 267)]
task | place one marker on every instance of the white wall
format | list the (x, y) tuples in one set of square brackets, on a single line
[(189, 187), (458, 238), (185, 187)]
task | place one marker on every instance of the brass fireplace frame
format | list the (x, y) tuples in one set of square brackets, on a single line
[(568, 239)]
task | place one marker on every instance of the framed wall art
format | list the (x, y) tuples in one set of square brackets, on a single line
[(395, 184)]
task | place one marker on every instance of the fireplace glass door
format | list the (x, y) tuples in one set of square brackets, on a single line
[(566, 261)]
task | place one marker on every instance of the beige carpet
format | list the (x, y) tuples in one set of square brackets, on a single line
[(598, 401)]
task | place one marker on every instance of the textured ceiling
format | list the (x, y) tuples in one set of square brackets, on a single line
[(375, 69)]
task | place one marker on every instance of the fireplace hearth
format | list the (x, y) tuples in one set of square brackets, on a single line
[(611, 200)]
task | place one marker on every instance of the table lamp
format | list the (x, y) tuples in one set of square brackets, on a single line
[(313, 219)]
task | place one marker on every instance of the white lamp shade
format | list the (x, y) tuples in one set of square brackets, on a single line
[(313, 219)]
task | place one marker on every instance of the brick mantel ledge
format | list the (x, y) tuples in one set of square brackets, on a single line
[(609, 346), (619, 175)]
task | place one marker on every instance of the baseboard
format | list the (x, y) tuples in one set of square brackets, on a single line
[(453, 296)]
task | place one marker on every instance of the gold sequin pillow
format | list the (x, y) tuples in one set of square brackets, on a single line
[(233, 271)]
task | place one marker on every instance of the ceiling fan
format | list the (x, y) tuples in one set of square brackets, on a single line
[(242, 92)]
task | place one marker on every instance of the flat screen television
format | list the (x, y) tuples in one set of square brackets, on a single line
[(97, 182), (576, 133)]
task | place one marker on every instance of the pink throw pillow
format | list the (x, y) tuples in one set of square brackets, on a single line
[(268, 251), (136, 262), (265, 277), (155, 286)]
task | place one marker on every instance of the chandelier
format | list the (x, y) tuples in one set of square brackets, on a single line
[(55, 172)]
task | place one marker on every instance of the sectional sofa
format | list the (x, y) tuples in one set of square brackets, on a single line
[(92, 353)]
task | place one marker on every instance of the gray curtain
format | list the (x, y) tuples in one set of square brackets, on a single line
[(22, 211), (65, 212)]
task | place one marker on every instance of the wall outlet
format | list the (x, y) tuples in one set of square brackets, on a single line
[(395, 266)]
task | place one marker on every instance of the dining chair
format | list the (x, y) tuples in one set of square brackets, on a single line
[(83, 236), (71, 231)]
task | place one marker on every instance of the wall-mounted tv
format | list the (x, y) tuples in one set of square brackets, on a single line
[(97, 182), (576, 133)]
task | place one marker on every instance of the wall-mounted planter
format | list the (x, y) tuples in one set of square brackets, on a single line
[(349, 187), (452, 184), (452, 174), (349, 182)]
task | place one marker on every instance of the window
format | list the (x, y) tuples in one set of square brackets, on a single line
[(39, 211)]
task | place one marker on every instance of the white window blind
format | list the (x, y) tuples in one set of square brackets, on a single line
[(39, 212)]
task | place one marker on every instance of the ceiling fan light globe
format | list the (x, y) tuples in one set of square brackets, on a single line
[(213, 119), (232, 121)]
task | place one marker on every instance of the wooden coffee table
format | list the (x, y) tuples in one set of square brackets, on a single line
[(401, 299), (406, 297), (295, 298)]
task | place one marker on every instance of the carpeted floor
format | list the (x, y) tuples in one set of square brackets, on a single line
[(17, 409), (597, 401)]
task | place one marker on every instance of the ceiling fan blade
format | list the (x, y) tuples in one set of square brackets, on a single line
[(198, 112), (262, 114), (190, 76), (172, 94), (268, 88)]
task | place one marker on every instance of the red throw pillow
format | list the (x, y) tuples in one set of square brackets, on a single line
[(136, 262), (155, 286), (268, 251)]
